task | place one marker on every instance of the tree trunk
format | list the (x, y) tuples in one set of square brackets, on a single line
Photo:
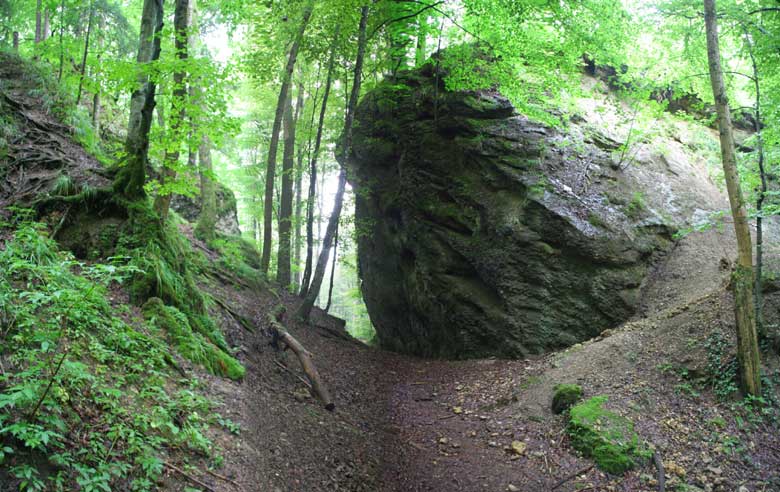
[(38, 22), (181, 25), (86, 52), (16, 41), (273, 147), (205, 229), (747, 341), (758, 287), (62, 48), (130, 179), (285, 208), (313, 171), (308, 303), (333, 268), (46, 25), (422, 38), (296, 260)]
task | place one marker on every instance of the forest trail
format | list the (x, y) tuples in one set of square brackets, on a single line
[(406, 424)]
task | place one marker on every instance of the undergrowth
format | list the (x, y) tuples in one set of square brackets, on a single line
[(88, 397)]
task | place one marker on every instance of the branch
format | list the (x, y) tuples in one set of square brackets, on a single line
[(409, 16), (765, 9)]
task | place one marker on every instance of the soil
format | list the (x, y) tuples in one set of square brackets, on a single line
[(406, 424)]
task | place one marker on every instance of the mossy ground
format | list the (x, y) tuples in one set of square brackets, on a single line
[(190, 344), (605, 436), (565, 396)]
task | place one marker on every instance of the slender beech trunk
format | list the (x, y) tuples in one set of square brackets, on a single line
[(62, 48), (16, 41), (130, 179), (205, 228), (422, 38), (181, 25), (46, 25), (296, 223), (313, 171), (270, 173), (285, 207), (333, 268), (86, 51), (744, 305), (96, 96), (308, 302), (38, 26), (758, 287)]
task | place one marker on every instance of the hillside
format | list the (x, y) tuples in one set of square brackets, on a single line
[(138, 357)]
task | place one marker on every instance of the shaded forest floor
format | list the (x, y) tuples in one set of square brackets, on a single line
[(404, 424)]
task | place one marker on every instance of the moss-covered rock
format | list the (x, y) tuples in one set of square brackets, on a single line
[(605, 436), (190, 344), (482, 232), (565, 396)]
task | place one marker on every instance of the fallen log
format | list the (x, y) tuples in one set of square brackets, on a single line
[(279, 332)]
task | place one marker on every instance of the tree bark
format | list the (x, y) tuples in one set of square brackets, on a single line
[(308, 303), (333, 269), (62, 48), (758, 287), (744, 306), (16, 41), (86, 51), (283, 276), (46, 25), (270, 173), (131, 178), (296, 260), (313, 171), (38, 26), (181, 25)]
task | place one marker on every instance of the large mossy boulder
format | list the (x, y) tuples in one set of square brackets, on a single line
[(482, 232)]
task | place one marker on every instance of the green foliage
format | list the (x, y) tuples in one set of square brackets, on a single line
[(88, 399), (721, 369), (605, 436), (191, 344)]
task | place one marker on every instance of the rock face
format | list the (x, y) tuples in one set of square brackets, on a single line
[(227, 214), (481, 232)]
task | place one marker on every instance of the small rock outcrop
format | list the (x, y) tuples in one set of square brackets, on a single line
[(227, 214), (482, 232)]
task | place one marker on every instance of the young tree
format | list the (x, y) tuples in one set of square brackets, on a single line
[(313, 170), (747, 341), (270, 173), (131, 178), (322, 262), (285, 207), (181, 25), (83, 71)]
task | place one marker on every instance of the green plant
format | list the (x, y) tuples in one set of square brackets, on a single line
[(721, 368), (81, 369), (636, 206)]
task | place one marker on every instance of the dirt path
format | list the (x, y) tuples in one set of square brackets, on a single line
[(405, 424)]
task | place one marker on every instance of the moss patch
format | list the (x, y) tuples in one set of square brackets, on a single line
[(565, 396), (605, 436), (190, 344)]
